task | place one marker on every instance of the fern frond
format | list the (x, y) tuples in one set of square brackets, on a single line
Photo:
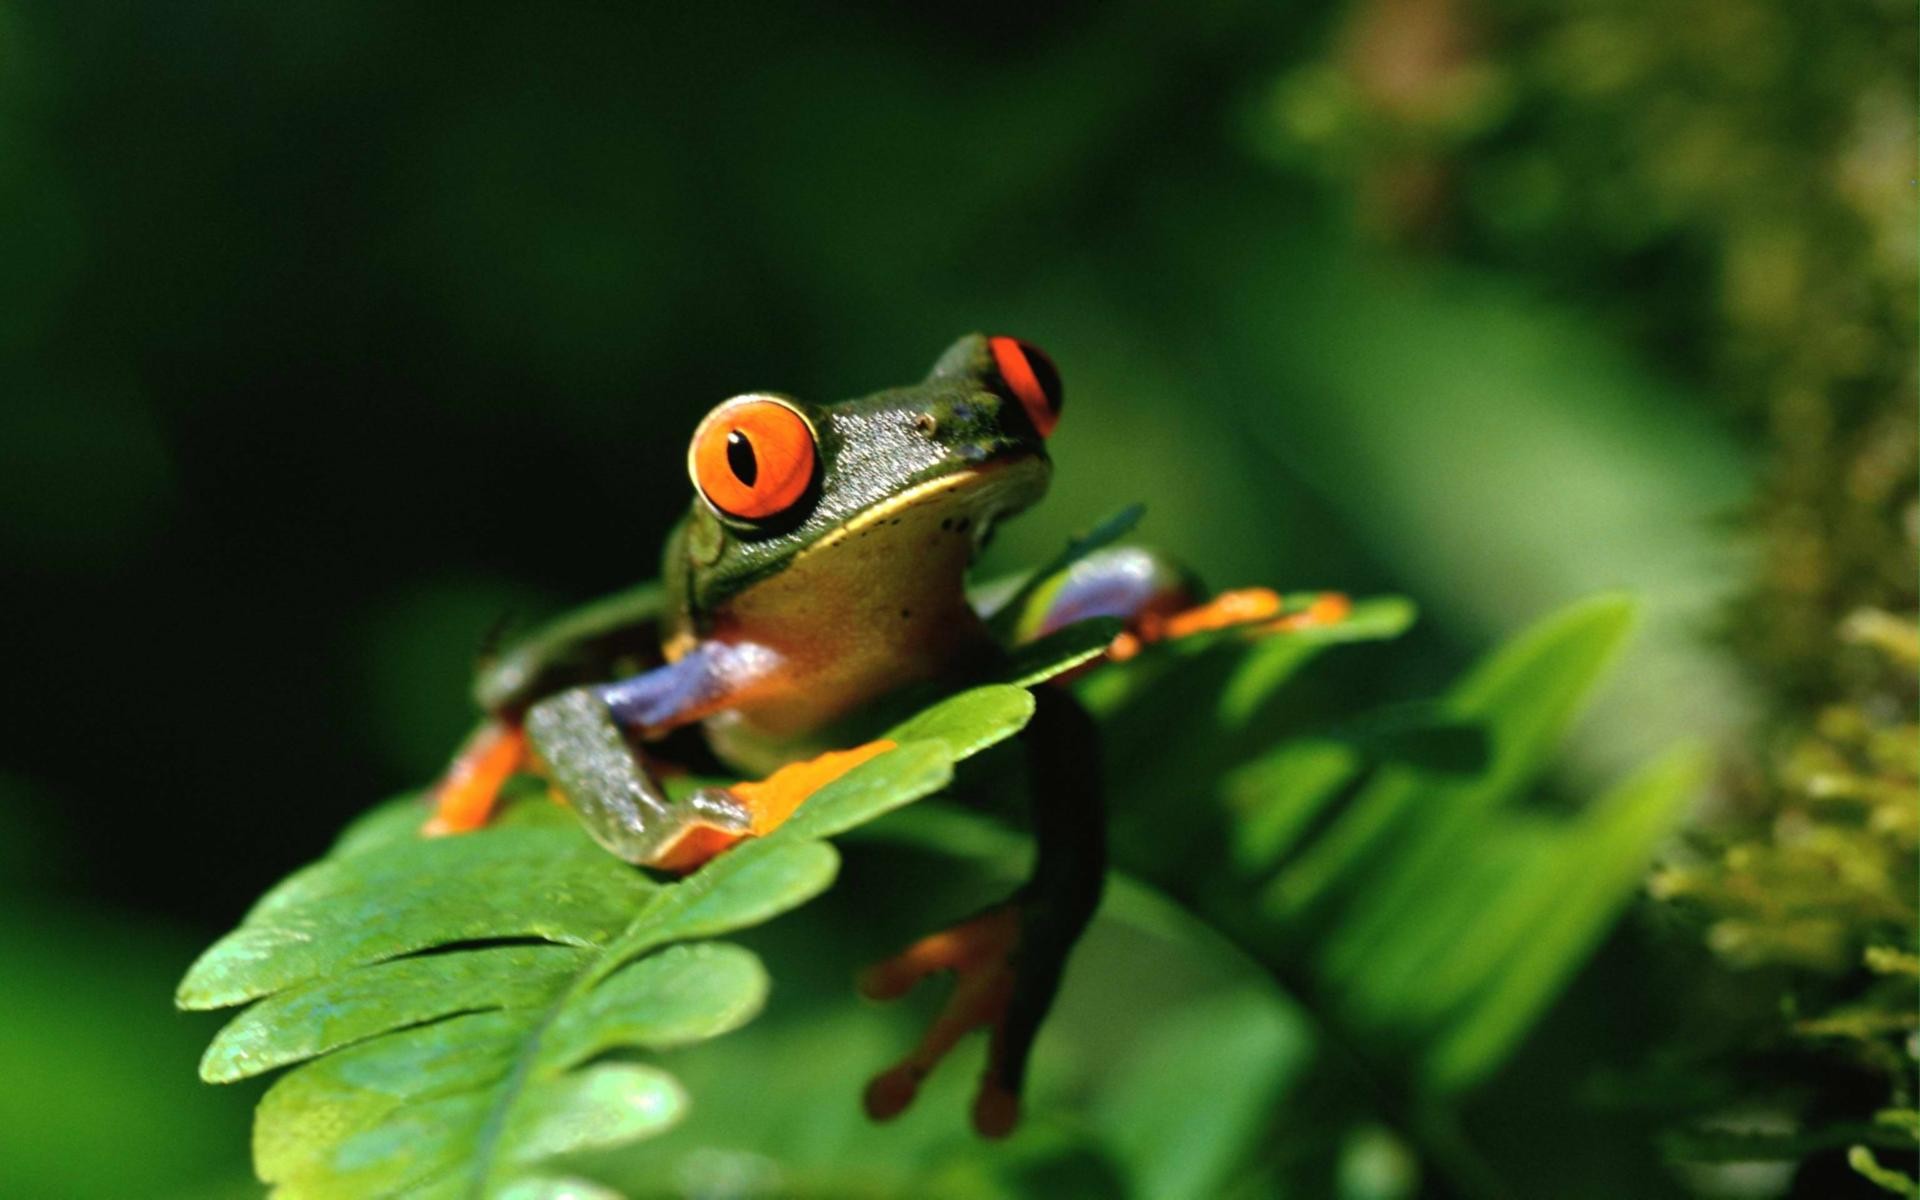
[(459, 1012), (1433, 912)]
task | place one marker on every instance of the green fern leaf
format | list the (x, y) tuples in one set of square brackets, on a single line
[(1265, 665), (1436, 916), (461, 1011)]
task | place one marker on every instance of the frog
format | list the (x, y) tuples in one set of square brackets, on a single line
[(823, 566)]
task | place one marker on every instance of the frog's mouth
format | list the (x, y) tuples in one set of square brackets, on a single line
[(940, 524), (965, 504)]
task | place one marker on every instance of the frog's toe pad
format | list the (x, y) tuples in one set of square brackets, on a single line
[(890, 1092), (979, 952), (996, 1110)]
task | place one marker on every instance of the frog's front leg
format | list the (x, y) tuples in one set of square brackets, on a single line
[(585, 737), (1008, 960), (1161, 602), (464, 797)]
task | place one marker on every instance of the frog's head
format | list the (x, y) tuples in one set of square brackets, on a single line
[(909, 480)]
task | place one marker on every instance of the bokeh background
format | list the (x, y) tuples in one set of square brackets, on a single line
[(330, 335)]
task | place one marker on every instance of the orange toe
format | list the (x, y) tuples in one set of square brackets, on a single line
[(775, 798), (979, 952), (465, 797), (1240, 606), (1328, 608), (1261, 609), (968, 946), (771, 801)]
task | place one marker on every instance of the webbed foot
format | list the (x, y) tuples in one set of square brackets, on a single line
[(989, 993), (1259, 610)]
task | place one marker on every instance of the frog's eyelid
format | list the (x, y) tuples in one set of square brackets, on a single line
[(1032, 378), (967, 358)]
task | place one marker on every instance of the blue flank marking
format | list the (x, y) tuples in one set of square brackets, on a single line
[(663, 696)]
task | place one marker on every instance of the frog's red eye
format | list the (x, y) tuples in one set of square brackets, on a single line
[(1030, 375), (753, 457)]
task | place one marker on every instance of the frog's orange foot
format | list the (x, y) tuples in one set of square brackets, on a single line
[(465, 796), (979, 952), (1260, 610), (1327, 608), (768, 802)]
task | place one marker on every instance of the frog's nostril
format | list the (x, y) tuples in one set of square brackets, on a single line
[(926, 424)]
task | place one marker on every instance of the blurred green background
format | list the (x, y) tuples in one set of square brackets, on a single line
[(332, 334)]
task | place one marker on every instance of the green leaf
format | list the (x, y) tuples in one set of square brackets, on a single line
[(1524, 697), (1548, 918), (970, 721), (1153, 1000), (449, 1005), (532, 1187), (592, 1109), (869, 792), (1061, 651), (550, 884), (1887, 1179), (763, 879), (1435, 916), (305, 1021), (1239, 1050), (682, 994), (1267, 662), (1275, 660), (1276, 797)]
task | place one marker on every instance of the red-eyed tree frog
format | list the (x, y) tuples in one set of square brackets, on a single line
[(822, 567)]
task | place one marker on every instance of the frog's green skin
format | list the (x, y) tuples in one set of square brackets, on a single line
[(867, 592), (861, 594), (769, 635)]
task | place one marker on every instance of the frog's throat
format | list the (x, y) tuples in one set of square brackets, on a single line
[(908, 554)]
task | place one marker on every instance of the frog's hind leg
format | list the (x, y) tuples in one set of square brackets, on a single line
[(608, 639), (464, 798), (979, 952), (1007, 961), (1158, 601)]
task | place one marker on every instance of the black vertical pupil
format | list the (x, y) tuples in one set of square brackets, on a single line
[(740, 457), (1044, 373)]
